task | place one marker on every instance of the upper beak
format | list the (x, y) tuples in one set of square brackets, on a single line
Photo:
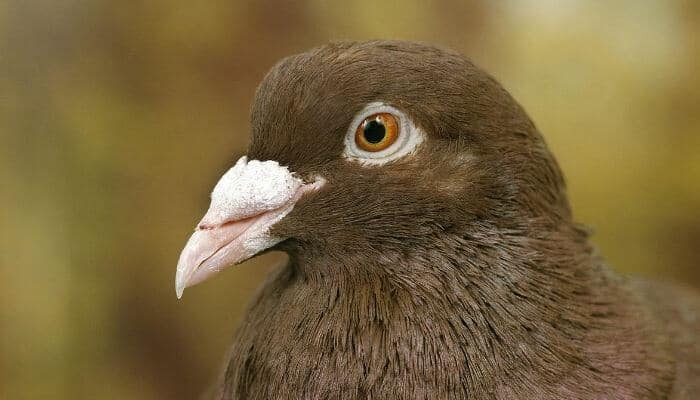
[(250, 198)]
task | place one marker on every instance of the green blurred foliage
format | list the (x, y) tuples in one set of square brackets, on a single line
[(116, 119)]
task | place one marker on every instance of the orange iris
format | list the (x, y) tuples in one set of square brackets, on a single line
[(377, 132)]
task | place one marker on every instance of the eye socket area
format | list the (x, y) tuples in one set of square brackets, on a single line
[(380, 133), (377, 132)]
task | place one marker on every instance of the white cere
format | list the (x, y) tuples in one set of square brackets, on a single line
[(250, 188)]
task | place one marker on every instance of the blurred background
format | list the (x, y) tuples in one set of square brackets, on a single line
[(117, 118)]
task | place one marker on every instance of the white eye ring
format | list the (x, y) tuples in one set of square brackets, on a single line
[(409, 137)]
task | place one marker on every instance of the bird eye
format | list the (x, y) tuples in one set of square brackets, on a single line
[(377, 132), (380, 133)]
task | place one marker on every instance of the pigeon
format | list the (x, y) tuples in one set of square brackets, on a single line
[(432, 251)]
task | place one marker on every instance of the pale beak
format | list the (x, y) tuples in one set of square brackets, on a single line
[(246, 202)]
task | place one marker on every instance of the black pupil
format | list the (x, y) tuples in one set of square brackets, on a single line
[(374, 131)]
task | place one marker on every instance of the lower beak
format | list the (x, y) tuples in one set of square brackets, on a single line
[(248, 200), (209, 250)]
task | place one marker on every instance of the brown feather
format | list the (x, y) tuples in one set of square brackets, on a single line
[(454, 273)]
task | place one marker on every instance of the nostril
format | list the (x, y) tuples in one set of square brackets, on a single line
[(204, 227), (207, 226)]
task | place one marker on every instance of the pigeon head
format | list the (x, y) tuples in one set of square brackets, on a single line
[(375, 150)]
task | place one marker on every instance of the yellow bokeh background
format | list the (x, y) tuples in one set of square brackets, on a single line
[(117, 118)]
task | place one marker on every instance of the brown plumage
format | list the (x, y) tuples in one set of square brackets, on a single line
[(455, 272)]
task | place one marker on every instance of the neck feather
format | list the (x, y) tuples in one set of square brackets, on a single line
[(504, 304)]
